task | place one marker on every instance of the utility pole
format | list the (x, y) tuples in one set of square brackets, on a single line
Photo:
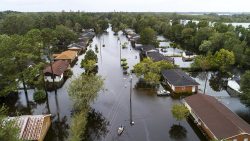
[(120, 52), (130, 101)]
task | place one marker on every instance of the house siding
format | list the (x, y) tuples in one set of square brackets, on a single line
[(240, 137), (180, 89)]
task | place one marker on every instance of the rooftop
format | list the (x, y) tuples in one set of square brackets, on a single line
[(221, 121), (68, 55), (58, 67), (178, 78), (156, 56), (31, 126)]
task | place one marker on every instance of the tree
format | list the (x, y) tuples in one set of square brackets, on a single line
[(179, 111), (148, 36), (89, 66), (245, 88), (90, 55), (205, 46), (64, 36), (224, 59), (150, 70), (82, 91), (8, 132)]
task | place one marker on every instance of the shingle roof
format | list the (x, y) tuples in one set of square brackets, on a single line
[(221, 121), (156, 56), (66, 55), (147, 48), (31, 126), (58, 67), (178, 78)]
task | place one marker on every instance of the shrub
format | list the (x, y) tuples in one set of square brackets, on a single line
[(123, 59), (125, 67), (68, 73), (124, 64), (39, 96)]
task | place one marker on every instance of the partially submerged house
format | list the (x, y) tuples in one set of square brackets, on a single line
[(78, 47), (179, 81), (216, 120), (59, 68), (32, 127), (188, 56), (147, 48), (156, 56), (69, 55)]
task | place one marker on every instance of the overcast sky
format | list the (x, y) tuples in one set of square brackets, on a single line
[(127, 5)]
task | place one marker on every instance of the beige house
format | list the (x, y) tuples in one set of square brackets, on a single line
[(33, 127)]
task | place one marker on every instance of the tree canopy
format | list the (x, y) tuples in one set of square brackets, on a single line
[(150, 70), (179, 111), (245, 88)]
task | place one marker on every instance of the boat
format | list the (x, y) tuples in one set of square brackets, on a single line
[(120, 130), (163, 93)]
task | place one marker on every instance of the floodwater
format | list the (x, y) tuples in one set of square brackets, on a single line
[(176, 53), (151, 114)]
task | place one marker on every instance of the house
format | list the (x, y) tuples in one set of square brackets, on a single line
[(69, 55), (32, 127), (59, 67), (188, 56), (216, 120), (78, 47), (179, 81), (156, 56)]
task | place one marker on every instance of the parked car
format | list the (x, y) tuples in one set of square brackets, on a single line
[(163, 93)]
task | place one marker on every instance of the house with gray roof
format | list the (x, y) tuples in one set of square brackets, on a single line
[(179, 81)]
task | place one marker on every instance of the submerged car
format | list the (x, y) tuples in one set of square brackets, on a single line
[(163, 93)]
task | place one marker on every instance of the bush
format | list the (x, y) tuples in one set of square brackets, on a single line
[(125, 67), (39, 96), (123, 59), (68, 73), (124, 64)]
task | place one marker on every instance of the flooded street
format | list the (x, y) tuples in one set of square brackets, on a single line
[(151, 114)]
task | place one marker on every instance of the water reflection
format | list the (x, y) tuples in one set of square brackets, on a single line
[(177, 132), (59, 130), (217, 81), (96, 126)]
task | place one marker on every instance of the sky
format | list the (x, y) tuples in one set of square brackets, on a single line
[(127, 5)]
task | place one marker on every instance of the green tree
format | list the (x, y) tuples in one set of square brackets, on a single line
[(245, 88), (90, 55), (224, 59), (8, 132), (150, 70), (148, 36), (89, 66), (179, 111), (82, 91)]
